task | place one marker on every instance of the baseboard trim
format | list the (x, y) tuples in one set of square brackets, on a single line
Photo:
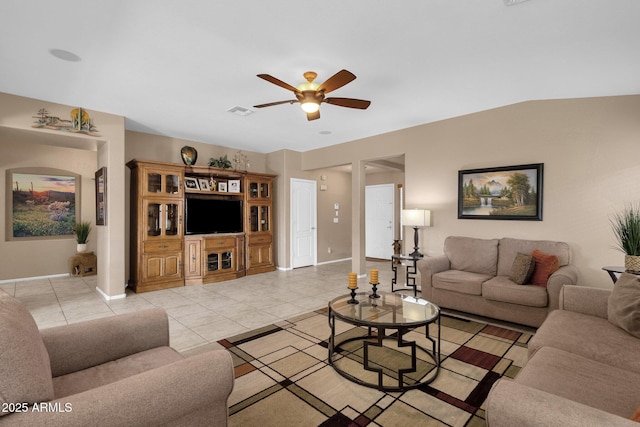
[(27, 279), (110, 298)]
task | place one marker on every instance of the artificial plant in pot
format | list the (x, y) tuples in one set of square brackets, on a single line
[(82, 230), (626, 228)]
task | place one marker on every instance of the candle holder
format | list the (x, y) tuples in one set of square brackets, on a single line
[(353, 296), (375, 290)]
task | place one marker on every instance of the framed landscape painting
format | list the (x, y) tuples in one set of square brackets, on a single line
[(42, 204), (508, 192)]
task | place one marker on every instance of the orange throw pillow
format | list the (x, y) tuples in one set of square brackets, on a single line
[(546, 265), (636, 415)]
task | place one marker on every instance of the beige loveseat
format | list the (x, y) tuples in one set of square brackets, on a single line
[(583, 369), (473, 275), (115, 371)]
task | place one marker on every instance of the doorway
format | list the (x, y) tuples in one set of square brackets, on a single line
[(303, 223), (379, 220)]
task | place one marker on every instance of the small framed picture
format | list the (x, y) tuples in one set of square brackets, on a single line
[(234, 186), (191, 183), (204, 184), (101, 196), (222, 187)]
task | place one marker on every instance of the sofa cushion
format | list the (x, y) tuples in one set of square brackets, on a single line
[(509, 248), (546, 265), (472, 255), (582, 380), (87, 379), (460, 281), (588, 336), (501, 288), (522, 268), (25, 370), (624, 304)]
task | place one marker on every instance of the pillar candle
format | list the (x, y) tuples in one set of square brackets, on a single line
[(373, 275), (353, 280)]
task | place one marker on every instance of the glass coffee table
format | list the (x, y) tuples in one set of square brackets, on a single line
[(374, 358)]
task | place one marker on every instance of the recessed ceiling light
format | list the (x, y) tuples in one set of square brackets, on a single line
[(240, 111), (325, 132), (65, 55)]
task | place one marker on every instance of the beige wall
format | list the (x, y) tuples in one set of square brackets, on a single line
[(589, 148), (23, 145)]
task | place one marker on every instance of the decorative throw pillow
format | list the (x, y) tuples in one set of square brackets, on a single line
[(546, 265), (624, 304), (636, 415), (522, 268)]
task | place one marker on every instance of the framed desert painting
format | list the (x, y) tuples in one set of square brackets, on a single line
[(42, 203), (508, 192)]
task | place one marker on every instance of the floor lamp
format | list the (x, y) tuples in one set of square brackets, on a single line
[(416, 218)]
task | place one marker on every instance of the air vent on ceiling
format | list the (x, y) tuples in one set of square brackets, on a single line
[(241, 111)]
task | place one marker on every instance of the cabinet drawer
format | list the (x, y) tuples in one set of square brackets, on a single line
[(266, 238), (160, 246), (220, 242)]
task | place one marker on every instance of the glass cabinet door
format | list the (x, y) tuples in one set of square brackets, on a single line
[(259, 218), (154, 227), (171, 220), (163, 219), (259, 190), (264, 190), (212, 262), (154, 183), (172, 184), (227, 258), (162, 183)]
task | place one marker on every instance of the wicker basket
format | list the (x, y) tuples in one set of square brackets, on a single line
[(632, 264)]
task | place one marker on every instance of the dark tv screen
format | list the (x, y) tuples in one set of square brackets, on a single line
[(209, 216)]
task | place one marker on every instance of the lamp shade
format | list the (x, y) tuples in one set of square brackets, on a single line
[(416, 217)]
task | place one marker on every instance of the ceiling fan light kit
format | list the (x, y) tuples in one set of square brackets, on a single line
[(310, 95)]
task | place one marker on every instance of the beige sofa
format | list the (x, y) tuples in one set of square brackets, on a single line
[(473, 276), (583, 370), (115, 371)]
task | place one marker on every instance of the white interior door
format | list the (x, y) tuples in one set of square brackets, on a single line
[(303, 223), (379, 220)]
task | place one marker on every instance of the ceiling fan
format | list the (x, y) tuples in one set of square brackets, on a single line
[(310, 95)]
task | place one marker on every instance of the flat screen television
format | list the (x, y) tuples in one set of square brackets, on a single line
[(209, 216)]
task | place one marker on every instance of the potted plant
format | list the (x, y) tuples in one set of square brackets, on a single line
[(626, 228), (82, 230)]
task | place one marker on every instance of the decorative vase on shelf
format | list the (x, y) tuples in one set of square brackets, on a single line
[(632, 264), (81, 247), (189, 155)]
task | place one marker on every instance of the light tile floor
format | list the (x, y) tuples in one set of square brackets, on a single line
[(199, 315)]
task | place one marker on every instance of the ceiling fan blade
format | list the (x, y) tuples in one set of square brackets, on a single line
[(336, 81), (270, 104), (313, 116), (278, 82), (349, 102)]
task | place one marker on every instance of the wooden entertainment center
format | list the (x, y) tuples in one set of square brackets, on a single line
[(165, 253)]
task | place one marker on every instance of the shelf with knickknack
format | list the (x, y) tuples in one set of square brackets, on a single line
[(209, 180)]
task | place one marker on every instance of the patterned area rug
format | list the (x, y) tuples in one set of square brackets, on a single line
[(283, 378)]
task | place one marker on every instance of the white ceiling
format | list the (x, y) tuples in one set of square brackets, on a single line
[(174, 68)]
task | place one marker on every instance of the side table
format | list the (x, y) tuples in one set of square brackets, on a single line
[(83, 264), (614, 271), (411, 271)]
